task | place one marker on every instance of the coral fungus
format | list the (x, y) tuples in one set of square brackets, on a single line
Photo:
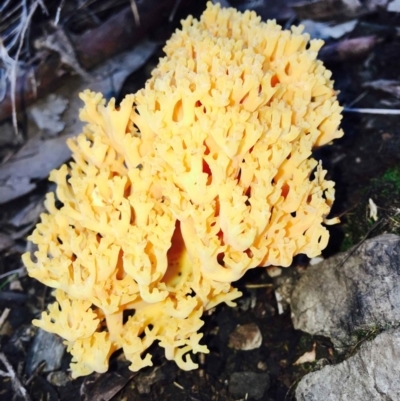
[(177, 192)]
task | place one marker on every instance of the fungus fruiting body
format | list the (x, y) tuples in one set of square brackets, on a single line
[(188, 183)]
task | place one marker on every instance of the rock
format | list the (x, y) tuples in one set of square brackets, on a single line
[(371, 374), (248, 384), (358, 290), (246, 337)]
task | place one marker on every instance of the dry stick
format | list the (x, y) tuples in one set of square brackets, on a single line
[(20, 272), (15, 381), (4, 316), (373, 111), (255, 286)]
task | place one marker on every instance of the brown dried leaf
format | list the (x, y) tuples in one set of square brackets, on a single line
[(348, 49)]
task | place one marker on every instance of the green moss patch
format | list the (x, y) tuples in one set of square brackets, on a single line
[(384, 191)]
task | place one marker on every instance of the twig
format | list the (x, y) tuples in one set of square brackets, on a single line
[(178, 385), (4, 316), (135, 12), (254, 286), (15, 381), (357, 99), (37, 371), (373, 111), (174, 10), (18, 271)]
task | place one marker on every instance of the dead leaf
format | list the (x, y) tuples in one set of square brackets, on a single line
[(39, 156), (5, 242), (394, 6), (307, 356), (103, 387), (329, 10), (47, 113), (32, 162), (280, 10), (60, 42), (7, 137), (348, 49), (323, 30), (385, 85), (29, 214), (373, 210)]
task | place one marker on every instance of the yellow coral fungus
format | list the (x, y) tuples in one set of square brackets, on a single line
[(203, 174)]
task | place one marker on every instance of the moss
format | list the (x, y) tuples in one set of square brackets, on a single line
[(385, 193), (363, 335), (392, 176)]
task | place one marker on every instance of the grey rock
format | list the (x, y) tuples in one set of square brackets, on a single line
[(349, 292), (371, 374), (248, 384)]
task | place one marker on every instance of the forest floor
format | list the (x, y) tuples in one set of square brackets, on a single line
[(365, 165)]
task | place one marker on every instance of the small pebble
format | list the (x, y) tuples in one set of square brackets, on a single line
[(248, 385), (274, 271), (58, 379), (246, 337)]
